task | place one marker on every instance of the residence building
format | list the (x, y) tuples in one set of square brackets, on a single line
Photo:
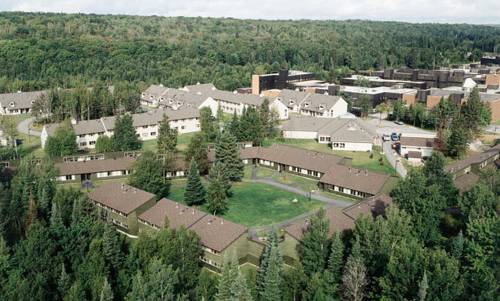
[(121, 204), (94, 169), (422, 145), (19, 102), (350, 134), (377, 95), (313, 104), (281, 80), (172, 213)]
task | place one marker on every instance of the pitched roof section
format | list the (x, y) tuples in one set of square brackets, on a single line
[(202, 88), (338, 221), (353, 178), (372, 206), (417, 141), (20, 100), (85, 127), (319, 102), (120, 197), (291, 98), (94, 166), (217, 233), (347, 130), (307, 124), (474, 159), (178, 215)]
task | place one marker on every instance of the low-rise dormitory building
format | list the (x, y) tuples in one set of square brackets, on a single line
[(313, 104), (185, 120), (19, 102)]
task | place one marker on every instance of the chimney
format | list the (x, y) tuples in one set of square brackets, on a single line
[(222, 222), (123, 186), (235, 92), (73, 121), (176, 205)]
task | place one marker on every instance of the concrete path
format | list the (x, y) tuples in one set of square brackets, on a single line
[(394, 159), (24, 127)]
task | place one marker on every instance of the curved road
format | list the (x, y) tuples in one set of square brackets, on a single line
[(24, 127)]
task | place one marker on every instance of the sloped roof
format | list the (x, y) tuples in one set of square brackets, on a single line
[(120, 197), (88, 127), (305, 123), (203, 88), (347, 130), (178, 215), (288, 95), (338, 221), (372, 206), (353, 178), (319, 102), (156, 90), (417, 141), (217, 233), (473, 159), (94, 166), (20, 100)]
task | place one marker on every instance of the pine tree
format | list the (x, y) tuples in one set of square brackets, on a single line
[(124, 136), (227, 152), (471, 111), (354, 279), (64, 281), (232, 284), (217, 194), (234, 127), (272, 241), (195, 192), (149, 175), (198, 150), (333, 273), (157, 283), (458, 140), (208, 124), (111, 248), (422, 288), (218, 170), (457, 245), (75, 293), (313, 248), (167, 137), (272, 289), (106, 291)]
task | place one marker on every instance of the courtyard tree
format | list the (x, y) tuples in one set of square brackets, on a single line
[(62, 143), (167, 137), (195, 192), (313, 247), (124, 136), (198, 150), (228, 153), (149, 175)]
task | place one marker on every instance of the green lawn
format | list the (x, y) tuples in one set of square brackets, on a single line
[(182, 142), (256, 204), (359, 159)]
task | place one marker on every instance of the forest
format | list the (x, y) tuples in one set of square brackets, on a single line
[(40, 51)]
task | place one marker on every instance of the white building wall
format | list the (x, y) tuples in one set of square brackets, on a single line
[(280, 108), (299, 135), (44, 135), (352, 146), (425, 151), (339, 108), (211, 103)]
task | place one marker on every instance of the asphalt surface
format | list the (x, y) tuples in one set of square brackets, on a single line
[(24, 127), (394, 159)]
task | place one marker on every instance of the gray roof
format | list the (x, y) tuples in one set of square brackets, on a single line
[(287, 95), (488, 97), (203, 88), (304, 123), (20, 100), (84, 127), (176, 97), (319, 102), (227, 96), (156, 90), (348, 130)]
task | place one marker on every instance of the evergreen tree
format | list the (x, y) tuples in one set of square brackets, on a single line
[(217, 193), (64, 281), (333, 273), (106, 291), (62, 143), (272, 242), (195, 192), (479, 201), (157, 283), (167, 137), (149, 175), (227, 153), (232, 284), (472, 112), (75, 293), (457, 245), (234, 127), (218, 171), (398, 110), (111, 248), (198, 150), (313, 248), (206, 289), (251, 127), (422, 287), (124, 136), (208, 124), (104, 144), (436, 175), (272, 279), (354, 279), (458, 140)]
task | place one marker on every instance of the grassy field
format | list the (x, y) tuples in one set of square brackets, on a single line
[(182, 142), (359, 159), (256, 204)]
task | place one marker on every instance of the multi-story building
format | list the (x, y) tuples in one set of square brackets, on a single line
[(282, 80), (18, 103), (313, 104)]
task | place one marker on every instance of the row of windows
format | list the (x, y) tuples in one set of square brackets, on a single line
[(339, 145)]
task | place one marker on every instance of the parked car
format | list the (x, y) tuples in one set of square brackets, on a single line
[(395, 137)]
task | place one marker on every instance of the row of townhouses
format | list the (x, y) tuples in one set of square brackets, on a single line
[(133, 211), (185, 120)]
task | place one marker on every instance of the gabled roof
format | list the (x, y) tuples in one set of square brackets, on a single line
[(305, 123), (338, 221), (20, 100), (319, 102), (372, 206), (178, 215), (353, 178), (474, 159), (156, 90), (94, 166), (347, 130), (120, 197), (203, 88), (417, 141), (217, 233), (291, 97), (92, 126)]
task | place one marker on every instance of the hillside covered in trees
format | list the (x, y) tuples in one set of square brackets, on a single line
[(39, 51)]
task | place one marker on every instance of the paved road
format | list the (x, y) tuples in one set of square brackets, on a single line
[(394, 159), (388, 127), (24, 127)]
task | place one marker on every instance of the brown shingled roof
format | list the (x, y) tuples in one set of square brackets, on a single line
[(466, 181), (353, 178), (217, 233), (372, 206), (94, 166), (177, 214), (120, 197), (417, 141), (474, 159), (338, 222)]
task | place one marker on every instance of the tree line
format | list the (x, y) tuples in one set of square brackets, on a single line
[(41, 51)]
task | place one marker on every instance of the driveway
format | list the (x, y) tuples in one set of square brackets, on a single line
[(394, 159), (24, 127), (388, 127)]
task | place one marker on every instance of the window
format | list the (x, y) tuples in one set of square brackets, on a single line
[(321, 138), (83, 143), (182, 127), (153, 133), (69, 177), (144, 134), (92, 143)]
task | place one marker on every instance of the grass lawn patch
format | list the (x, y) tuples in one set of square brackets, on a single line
[(256, 204), (182, 143), (359, 159)]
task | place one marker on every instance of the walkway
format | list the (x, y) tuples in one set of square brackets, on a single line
[(394, 159), (24, 127)]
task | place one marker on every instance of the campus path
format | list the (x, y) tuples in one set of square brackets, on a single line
[(24, 127), (393, 159)]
